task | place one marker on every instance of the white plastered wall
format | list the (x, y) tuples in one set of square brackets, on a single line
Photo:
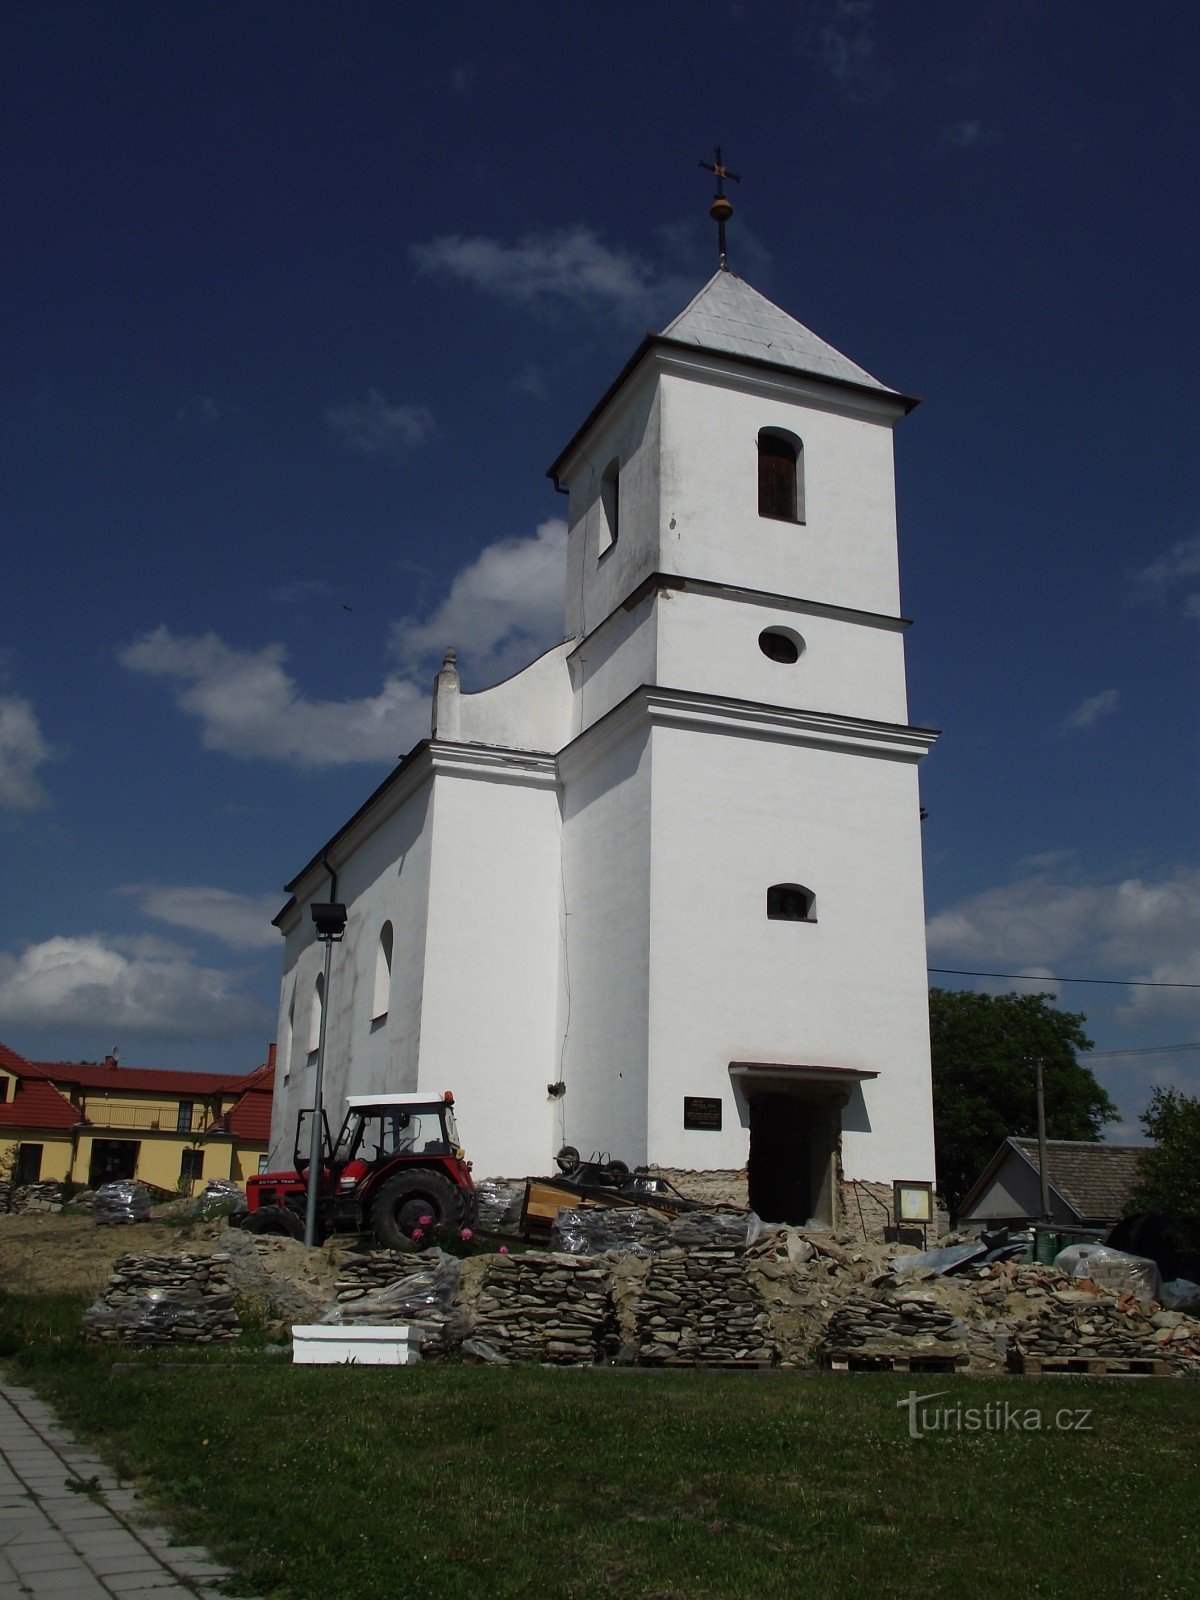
[(731, 816)]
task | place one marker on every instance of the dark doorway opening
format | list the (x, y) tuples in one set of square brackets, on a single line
[(112, 1160), (29, 1164), (792, 1142)]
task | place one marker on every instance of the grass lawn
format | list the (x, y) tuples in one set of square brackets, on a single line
[(479, 1483)]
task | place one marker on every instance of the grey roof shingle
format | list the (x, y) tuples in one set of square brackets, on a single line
[(729, 316), (1095, 1180)]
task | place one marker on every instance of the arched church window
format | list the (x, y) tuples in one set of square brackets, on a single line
[(610, 506), (289, 1029), (318, 1010), (791, 902), (780, 475), (781, 644), (383, 974)]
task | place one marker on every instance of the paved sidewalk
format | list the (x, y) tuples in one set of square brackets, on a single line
[(85, 1543)]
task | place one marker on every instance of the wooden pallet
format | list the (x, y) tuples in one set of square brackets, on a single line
[(1094, 1366), (871, 1362)]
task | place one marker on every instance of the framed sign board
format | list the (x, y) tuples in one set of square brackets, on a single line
[(701, 1111), (912, 1202)]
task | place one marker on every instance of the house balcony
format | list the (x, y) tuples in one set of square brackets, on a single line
[(148, 1117)]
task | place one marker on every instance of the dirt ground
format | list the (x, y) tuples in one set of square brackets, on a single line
[(45, 1253)]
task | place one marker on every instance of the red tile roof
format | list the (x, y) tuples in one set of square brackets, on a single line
[(251, 1117), (147, 1080), (35, 1103)]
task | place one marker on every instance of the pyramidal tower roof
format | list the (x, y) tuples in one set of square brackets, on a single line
[(729, 316)]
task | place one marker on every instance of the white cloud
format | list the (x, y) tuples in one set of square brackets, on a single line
[(1176, 570), (841, 38), (1088, 712), (22, 751), (1132, 927), (375, 427), (248, 706), (89, 982), (242, 921), (502, 610), (299, 590), (568, 268)]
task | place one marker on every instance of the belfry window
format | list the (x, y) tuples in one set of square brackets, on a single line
[(791, 902), (780, 475), (610, 506), (383, 973)]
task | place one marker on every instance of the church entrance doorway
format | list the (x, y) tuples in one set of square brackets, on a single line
[(112, 1160), (792, 1147)]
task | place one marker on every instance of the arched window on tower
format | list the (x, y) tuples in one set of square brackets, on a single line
[(318, 1010), (791, 902), (383, 974), (610, 506), (289, 1029), (780, 475)]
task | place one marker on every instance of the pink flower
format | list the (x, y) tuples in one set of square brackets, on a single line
[(418, 1233), (425, 1221), (503, 1250), (466, 1234)]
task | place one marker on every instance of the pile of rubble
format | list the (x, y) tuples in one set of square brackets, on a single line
[(157, 1299), (700, 1307), (45, 1196), (542, 1307)]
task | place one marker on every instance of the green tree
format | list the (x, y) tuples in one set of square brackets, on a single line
[(984, 1047), (1169, 1173)]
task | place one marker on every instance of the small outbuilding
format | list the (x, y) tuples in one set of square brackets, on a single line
[(1090, 1184)]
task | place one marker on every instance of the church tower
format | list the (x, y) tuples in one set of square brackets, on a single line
[(744, 948)]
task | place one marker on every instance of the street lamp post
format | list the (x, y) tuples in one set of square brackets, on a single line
[(330, 919)]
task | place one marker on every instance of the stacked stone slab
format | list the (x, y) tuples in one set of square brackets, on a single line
[(884, 1324), (37, 1197), (382, 1288), (158, 1299), (1073, 1324), (700, 1306), (546, 1307)]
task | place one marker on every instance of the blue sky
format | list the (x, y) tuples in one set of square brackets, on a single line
[(301, 301)]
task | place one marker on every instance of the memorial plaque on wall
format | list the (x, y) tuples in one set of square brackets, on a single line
[(701, 1112)]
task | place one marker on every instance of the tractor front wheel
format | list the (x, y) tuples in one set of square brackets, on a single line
[(406, 1198), (275, 1220)]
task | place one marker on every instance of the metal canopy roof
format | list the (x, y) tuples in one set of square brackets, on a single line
[(729, 316)]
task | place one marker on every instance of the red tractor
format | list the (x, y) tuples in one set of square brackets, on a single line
[(397, 1162)]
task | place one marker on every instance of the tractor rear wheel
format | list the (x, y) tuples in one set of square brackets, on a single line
[(275, 1220), (407, 1197)]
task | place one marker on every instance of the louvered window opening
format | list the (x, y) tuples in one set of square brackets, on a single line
[(777, 490)]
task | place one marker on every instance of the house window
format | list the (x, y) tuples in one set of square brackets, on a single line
[(780, 644), (318, 1011), (3, 1090), (780, 476), (383, 973), (262, 1164), (610, 506), (191, 1166), (183, 1123), (791, 902), (29, 1164)]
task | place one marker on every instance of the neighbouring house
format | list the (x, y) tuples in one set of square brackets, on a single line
[(66, 1121), (660, 894), (1090, 1184)]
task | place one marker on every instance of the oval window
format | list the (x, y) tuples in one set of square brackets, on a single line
[(779, 645)]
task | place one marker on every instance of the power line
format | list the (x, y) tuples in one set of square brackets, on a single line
[(1146, 1050), (1037, 977)]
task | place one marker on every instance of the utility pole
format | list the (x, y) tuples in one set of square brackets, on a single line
[(330, 919), (1043, 1162)]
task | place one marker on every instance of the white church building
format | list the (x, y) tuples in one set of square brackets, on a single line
[(659, 894)]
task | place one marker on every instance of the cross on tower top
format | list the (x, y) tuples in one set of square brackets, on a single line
[(721, 210)]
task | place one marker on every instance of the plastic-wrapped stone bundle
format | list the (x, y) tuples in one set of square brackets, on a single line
[(552, 1308), (884, 1323), (125, 1200), (221, 1198), (700, 1306), (498, 1205), (594, 1230), (387, 1290), (159, 1299), (710, 1230)]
